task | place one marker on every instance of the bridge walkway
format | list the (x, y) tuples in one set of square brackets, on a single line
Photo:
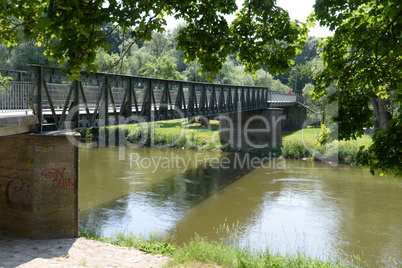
[(103, 99)]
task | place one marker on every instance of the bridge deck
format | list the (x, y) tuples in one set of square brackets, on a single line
[(16, 122), (101, 99)]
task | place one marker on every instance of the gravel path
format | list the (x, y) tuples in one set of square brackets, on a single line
[(73, 252)]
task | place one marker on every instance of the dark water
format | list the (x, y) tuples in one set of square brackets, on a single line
[(287, 206)]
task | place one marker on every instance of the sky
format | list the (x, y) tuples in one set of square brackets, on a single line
[(298, 10)]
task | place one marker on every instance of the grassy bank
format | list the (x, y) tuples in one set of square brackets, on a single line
[(173, 133), (181, 134), (303, 144), (202, 253)]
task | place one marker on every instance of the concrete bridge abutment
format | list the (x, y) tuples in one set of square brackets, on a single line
[(256, 129), (294, 118), (39, 185)]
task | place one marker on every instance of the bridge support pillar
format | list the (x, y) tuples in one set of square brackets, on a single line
[(257, 129), (295, 117), (39, 185)]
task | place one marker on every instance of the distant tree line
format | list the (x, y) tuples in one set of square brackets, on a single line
[(160, 57)]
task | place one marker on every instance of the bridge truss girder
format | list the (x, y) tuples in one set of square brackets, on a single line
[(103, 99)]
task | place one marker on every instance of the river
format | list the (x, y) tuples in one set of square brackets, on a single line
[(286, 206)]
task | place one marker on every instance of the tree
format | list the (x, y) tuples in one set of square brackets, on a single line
[(363, 59), (231, 74), (27, 53), (4, 56), (158, 45), (114, 37), (163, 67), (106, 62), (72, 32), (301, 75), (309, 52), (193, 72)]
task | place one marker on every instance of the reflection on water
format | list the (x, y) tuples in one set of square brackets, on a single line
[(284, 205)]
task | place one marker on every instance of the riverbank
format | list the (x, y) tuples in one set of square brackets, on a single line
[(121, 251), (72, 252), (301, 144), (200, 252)]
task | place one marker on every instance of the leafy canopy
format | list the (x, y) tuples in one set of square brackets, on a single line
[(364, 60), (71, 30)]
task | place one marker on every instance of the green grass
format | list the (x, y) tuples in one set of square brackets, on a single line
[(309, 135), (179, 133), (303, 144), (150, 244), (200, 252), (174, 133)]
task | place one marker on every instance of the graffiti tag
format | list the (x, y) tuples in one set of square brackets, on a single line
[(59, 180), (18, 194)]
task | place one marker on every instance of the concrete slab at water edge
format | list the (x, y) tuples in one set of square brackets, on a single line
[(71, 252)]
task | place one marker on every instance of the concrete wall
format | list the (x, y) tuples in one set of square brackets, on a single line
[(295, 117), (252, 129), (283, 97), (39, 185), (15, 123)]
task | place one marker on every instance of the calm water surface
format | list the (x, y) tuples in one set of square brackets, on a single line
[(288, 206)]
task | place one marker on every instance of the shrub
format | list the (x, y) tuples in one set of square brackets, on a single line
[(347, 153), (295, 149)]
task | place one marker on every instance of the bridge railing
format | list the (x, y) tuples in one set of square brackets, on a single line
[(16, 97), (102, 99)]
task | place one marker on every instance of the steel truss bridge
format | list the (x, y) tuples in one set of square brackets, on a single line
[(104, 99)]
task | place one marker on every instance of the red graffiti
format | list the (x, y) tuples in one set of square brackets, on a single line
[(58, 179)]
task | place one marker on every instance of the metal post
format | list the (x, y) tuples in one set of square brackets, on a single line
[(130, 88), (38, 97), (106, 100), (76, 106)]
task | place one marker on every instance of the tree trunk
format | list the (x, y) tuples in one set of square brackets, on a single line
[(380, 110)]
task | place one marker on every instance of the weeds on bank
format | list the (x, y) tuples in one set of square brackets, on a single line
[(303, 144), (181, 134), (151, 244), (343, 153), (201, 251)]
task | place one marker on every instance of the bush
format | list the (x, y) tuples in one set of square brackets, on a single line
[(296, 149), (347, 153), (86, 133)]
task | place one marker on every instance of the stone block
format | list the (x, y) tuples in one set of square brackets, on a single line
[(39, 185), (256, 129)]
